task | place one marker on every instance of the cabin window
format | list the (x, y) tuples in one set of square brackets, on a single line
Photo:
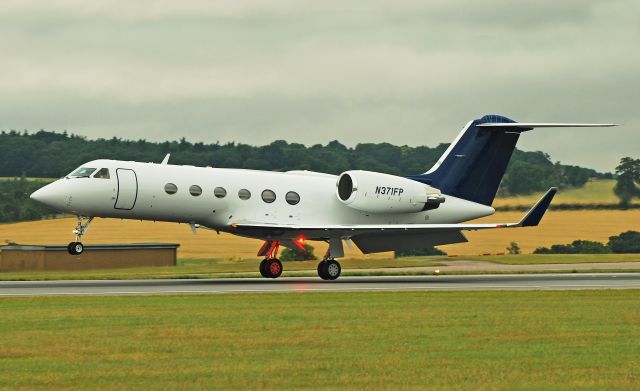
[(244, 194), (292, 198), (170, 188), (219, 192), (195, 190), (268, 196), (103, 173), (82, 172)]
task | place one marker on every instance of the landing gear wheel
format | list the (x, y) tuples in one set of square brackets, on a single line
[(263, 268), (274, 268), (329, 269), (322, 270), (75, 248)]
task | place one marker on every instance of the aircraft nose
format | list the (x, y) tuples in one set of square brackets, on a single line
[(48, 195)]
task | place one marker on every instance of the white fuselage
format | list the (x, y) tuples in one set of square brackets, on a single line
[(136, 190)]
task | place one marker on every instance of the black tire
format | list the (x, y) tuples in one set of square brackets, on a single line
[(71, 248), (274, 269), (332, 269), (322, 270), (263, 268)]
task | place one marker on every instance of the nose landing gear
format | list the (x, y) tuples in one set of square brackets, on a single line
[(77, 248)]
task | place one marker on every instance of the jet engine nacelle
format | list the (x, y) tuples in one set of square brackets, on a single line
[(383, 193)]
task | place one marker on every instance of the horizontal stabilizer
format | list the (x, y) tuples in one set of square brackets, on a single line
[(523, 126)]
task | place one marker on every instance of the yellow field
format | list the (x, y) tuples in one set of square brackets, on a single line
[(556, 227), (206, 244), (596, 191)]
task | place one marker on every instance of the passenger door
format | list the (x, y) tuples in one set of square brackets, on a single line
[(127, 189)]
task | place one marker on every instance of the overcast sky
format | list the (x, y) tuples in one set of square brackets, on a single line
[(404, 71)]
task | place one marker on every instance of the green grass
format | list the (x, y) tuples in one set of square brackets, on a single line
[(220, 268), (205, 268), (542, 259), (595, 191), (408, 340)]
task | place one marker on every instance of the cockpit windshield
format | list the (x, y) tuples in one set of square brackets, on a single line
[(102, 173), (82, 172)]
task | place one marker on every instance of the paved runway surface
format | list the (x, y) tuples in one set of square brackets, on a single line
[(314, 284)]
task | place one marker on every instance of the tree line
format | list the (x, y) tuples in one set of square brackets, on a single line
[(53, 154), (15, 204), (626, 243)]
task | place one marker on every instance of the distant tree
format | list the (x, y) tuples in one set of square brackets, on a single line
[(576, 247), (257, 164), (513, 248), (424, 251), (628, 182), (298, 255), (625, 243), (15, 204)]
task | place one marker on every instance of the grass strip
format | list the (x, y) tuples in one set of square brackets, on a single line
[(393, 340)]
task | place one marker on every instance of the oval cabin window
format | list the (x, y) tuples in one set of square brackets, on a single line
[(268, 196), (195, 190), (170, 188), (244, 194), (292, 198), (219, 192)]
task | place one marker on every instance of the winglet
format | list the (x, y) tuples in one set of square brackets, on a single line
[(166, 159), (533, 217)]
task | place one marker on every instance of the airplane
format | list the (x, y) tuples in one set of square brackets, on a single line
[(375, 211)]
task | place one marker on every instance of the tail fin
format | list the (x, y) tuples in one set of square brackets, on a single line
[(474, 164)]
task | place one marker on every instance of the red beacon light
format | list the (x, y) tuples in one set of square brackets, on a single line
[(299, 242)]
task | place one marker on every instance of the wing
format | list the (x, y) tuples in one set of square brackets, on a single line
[(532, 218)]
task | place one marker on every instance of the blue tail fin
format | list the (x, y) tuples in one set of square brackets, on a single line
[(474, 164)]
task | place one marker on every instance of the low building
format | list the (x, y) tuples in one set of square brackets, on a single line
[(14, 258)]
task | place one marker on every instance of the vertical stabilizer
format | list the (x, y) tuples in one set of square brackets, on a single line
[(474, 164)]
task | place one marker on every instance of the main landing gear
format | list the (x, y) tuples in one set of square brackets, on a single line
[(77, 248), (329, 269), (270, 267)]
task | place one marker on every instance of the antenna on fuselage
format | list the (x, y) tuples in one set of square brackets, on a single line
[(166, 159)]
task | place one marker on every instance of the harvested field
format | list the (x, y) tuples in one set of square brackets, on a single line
[(556, 227)]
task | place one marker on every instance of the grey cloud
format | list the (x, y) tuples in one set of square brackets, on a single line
[(403, 72)]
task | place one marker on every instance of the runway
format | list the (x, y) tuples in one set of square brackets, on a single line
[(573, 281)]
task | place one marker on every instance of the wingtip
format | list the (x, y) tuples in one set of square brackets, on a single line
[(533, 217)]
